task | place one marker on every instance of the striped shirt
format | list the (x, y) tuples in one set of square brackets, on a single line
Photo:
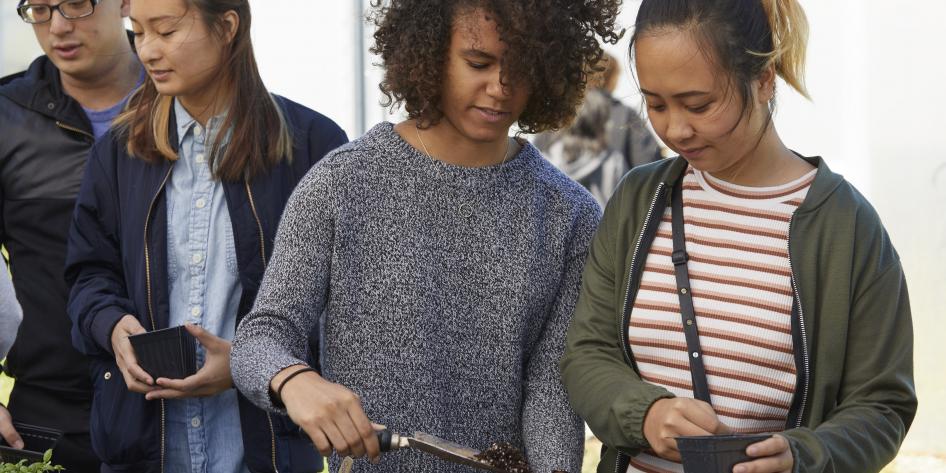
[(740, 280)]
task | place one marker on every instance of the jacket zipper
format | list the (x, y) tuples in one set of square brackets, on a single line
[(148, 287), (801, 322), (262, 248), (72, 128), (630, 273), (627, 294)]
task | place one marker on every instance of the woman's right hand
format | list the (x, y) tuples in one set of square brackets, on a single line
[(329, 413), (136, 378), (668, 419)]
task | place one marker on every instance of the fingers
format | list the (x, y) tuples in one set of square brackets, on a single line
[(176, 388), (136, 379), (702, 415), (337, 439), (320, 441), (207, 339), (128, 363), (774, 456), (776, 464), (167, 394), (9, 434), (138, 373), (366, 431), (668, 419), (768, 447)]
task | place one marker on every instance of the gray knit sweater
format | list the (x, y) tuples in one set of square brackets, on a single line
[(10, 312), (445, 294)]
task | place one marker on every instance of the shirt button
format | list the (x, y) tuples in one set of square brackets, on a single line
[(108, 375), (197, 258), (51, 105), (201, 203), (195, 311), (195, 422), (198, 131), (201, 158)]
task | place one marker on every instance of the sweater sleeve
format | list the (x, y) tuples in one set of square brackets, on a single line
[(553, 434), (274, 335), (10, 312)]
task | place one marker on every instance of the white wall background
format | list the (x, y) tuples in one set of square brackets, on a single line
[(875, 72)]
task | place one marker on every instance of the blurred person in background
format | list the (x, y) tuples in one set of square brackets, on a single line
[(582, 151), (603, 119), (50, 115), (443, 254), (174, 226), (739, 287)]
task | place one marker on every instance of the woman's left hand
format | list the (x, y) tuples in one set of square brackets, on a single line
[(212, 378), (772, 455)]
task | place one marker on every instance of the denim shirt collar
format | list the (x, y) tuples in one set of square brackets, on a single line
[(186, 123)]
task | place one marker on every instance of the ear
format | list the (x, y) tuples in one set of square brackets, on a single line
[(231, 23), (766, 84), (126, 8)]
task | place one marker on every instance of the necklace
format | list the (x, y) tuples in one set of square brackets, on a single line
[(465, 208)]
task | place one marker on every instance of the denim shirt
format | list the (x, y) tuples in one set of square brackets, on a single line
[(203, 434)]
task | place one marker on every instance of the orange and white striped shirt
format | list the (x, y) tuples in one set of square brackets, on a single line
[(740, 278)]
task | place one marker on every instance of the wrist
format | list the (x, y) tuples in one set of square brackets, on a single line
[(279, 382)]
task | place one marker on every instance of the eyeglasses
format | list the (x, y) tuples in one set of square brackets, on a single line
[(69, 9)]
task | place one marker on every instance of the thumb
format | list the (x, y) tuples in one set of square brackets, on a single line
[(207, 339), (10, 435)]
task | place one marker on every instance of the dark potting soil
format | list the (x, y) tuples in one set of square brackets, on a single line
[(504, 456)]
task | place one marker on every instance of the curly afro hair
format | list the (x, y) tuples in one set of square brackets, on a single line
[(554, 42)]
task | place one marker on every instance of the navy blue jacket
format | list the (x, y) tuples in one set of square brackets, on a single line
[(117, 264)]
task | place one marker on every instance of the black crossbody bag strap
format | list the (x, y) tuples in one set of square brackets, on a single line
[(680, 258)]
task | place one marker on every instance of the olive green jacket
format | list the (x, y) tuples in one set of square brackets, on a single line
[(853, 335)]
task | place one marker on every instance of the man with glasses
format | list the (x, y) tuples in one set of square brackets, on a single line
[(49, 117)]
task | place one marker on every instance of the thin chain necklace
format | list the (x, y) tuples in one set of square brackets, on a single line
[(465, 208)]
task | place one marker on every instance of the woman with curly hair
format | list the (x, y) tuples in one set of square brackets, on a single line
[(442, 255)]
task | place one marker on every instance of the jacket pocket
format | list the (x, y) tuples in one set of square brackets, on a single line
[(122, 423)]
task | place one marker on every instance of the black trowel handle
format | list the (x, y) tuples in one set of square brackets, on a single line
[(384, 440)]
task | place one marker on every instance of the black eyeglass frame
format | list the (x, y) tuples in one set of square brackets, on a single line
[(21, 11)]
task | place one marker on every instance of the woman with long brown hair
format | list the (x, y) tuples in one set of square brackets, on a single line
[(174, 227)]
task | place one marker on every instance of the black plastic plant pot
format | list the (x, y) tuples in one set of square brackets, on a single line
[(168, 353), (715, 453), (36, 441)]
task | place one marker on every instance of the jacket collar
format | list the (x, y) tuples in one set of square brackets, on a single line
[(40, 90), (824, 184)]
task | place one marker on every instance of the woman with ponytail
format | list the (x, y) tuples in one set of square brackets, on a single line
[(739, 287), (174, 227)]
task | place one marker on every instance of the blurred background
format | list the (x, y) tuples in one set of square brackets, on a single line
[(877, 117)]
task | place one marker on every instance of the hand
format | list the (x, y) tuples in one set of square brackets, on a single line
[(211, 379), (668, 419), (9, 434), (774, 456), (329, 413), (136, 378)]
